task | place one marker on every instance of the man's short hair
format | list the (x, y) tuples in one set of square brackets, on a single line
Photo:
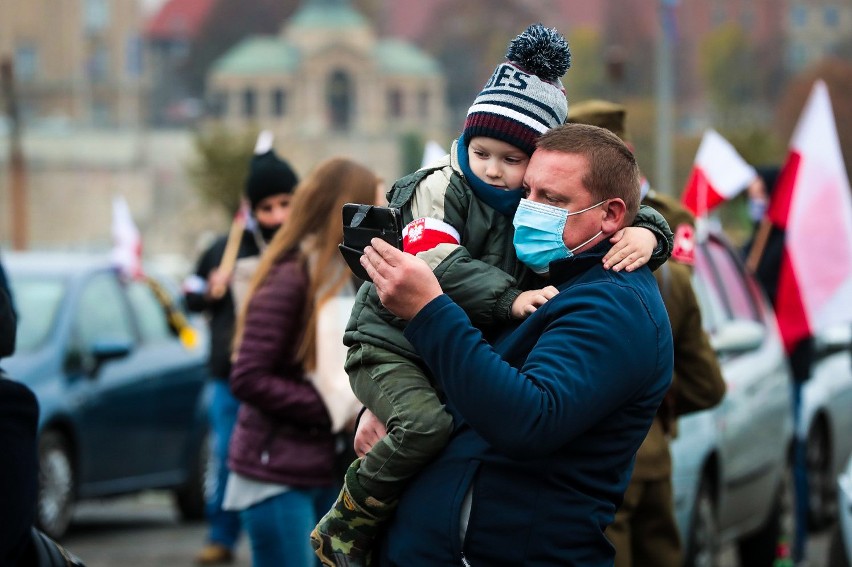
[(613, 172)]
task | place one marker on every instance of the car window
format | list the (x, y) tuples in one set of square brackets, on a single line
[(732, 280), (37, 299), (713, 312), (150, 315), (102, 313)]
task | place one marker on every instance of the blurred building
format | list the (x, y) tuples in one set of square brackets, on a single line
[(169, 36), (76, 62), (816, 29), (327, 85)]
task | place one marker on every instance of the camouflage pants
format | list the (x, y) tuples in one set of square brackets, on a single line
[(398, 392)]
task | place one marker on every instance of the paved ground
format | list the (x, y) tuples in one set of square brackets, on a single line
[(139, 531), (144, 531)]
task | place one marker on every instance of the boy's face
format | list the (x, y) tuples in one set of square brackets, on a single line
[(497, 163)]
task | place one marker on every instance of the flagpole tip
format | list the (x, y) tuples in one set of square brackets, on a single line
[(264, 142)]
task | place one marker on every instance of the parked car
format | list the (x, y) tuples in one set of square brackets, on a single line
[(731, 464), (826, 421), (120, 396), (840, 547)]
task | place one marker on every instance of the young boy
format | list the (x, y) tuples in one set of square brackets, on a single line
[(459, 213)]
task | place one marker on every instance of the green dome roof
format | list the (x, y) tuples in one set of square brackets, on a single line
[(395, 56), (327, 14), (258, 55)]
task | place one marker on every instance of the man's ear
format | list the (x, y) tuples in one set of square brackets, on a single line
[(615, 211)]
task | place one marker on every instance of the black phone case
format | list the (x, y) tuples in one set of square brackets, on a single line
[(362, 223)]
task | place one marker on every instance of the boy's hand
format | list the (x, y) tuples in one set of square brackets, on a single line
[(632, 248), (370, 431), (526, 303)]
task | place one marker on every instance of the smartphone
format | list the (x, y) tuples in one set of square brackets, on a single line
[(362, 223)]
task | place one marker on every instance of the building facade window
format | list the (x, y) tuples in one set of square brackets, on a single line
[(423, 100), (340, 100), (98, 64), (249, 103), (133, 57), (831, 16), (799, 16), (26, 62), (218, 104), (96, 15), (279, 103), (394, 103)]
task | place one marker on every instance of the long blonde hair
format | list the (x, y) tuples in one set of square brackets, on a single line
[(314, 229)]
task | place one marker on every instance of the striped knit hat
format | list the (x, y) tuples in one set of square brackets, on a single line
[(524, 97)]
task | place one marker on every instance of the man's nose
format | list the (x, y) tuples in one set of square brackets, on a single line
[(280, 214)]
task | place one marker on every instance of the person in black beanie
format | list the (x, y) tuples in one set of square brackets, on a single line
[(211, 289)]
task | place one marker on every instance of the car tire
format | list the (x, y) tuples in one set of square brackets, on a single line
[(702, 543), (761, 548), (822, 494), (57, 484), (190, 498)]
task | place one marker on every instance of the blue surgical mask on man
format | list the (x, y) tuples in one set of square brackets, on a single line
[(538, 234)]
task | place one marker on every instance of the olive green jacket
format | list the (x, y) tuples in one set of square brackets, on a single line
[(482, 273)]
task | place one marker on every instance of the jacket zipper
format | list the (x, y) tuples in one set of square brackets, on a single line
[(464, 560)]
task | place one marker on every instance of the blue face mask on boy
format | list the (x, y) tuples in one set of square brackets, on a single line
[(538, 234)]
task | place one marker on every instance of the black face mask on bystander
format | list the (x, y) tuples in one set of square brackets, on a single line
[(267, 232)]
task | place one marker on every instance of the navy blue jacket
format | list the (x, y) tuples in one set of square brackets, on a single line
[(547, 423)]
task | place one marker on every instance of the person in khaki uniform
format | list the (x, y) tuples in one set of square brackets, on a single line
[(645, 531)]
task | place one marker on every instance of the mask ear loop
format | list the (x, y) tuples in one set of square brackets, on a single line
[(583, 211), (586, 242)]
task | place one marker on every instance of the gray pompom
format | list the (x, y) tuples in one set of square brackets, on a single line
[(541, 51)]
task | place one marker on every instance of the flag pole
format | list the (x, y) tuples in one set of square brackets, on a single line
[(229, 256), (759, 245), (238, 225)]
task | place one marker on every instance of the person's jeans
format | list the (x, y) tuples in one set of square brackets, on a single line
[(222, 413), (279, 528)]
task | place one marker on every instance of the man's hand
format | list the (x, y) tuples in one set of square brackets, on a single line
[(370, 431), (632, 248), (217, 284), (526, 303), (405, 283)]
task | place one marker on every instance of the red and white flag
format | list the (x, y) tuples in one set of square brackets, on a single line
[(812, 202), (718, 174), (126, 241)]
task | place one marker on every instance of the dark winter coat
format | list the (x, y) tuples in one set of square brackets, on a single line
[(548, 422), (220, 313), (283, 432)]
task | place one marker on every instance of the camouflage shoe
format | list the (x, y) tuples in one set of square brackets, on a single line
[(344, 536)]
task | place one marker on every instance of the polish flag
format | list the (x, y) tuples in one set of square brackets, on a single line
[(812, 202), (426, 233), (718, 174), (127, 243)]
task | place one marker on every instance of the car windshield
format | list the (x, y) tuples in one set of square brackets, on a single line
[(36, 302)]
